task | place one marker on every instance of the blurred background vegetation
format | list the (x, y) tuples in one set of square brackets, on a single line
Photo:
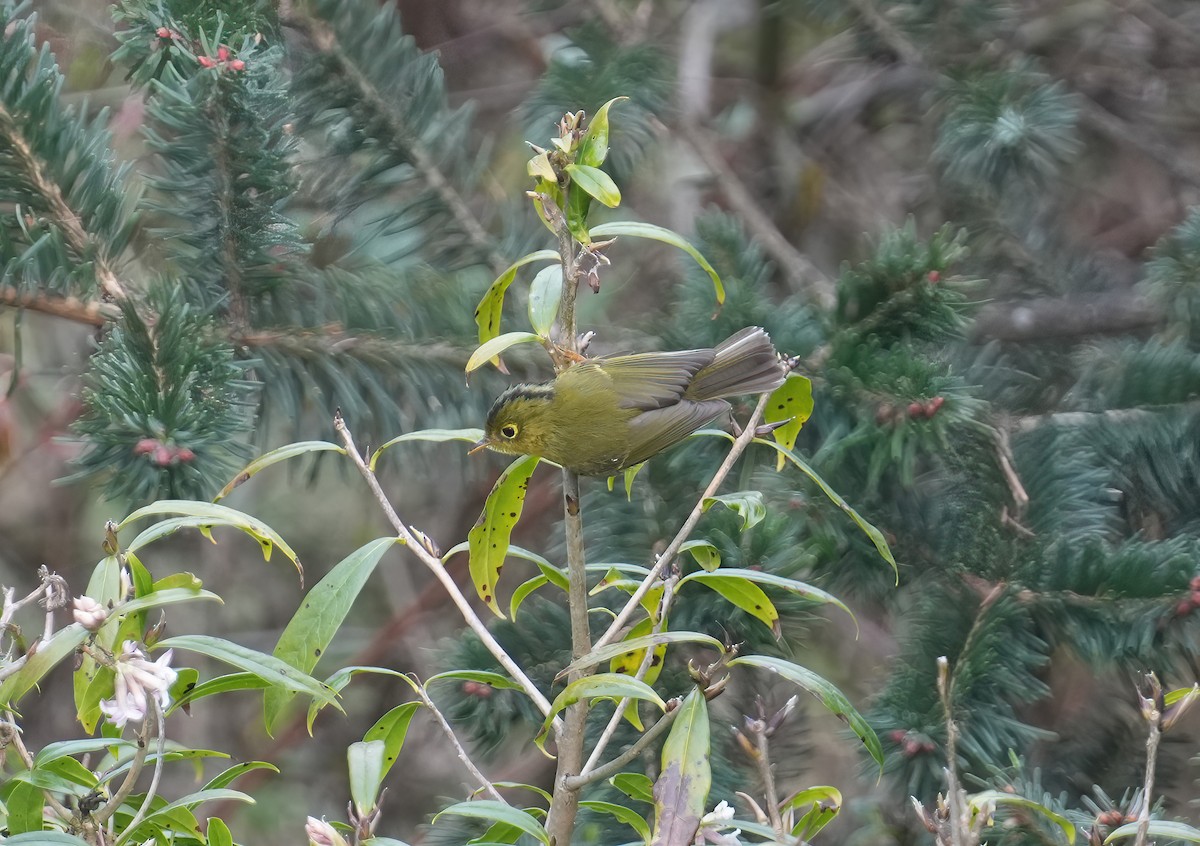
[(972, 220)]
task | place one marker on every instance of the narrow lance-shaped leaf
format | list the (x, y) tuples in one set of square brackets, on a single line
[(488, 538), (628, 663), (626, 815), (748, 505), (744, 594), (614, 650), (792, 401), (817, 806), (598, 184), (599, 686), (593, 146), (1164, 829), (267, 667), (221, 515), (830, 697), (988, 799), (274, 457), (686, 776), (705, 553), (806, 591), (490, 350), (635, 229), (48, 655), (634, 785), (487, 313), (545, 293), (309, 632), (489, 809), (432, 435), (366, 765), (876, 536)]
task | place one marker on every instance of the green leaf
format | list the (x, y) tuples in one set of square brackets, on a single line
[(631, 474), (635, 229), (218, 833), (392, 728), (26, 804), (309, 632), (545, 293), (748, 505), (1158, 829), (104, 586), (596, 183), (634, 785), (433, 435), (274, 457), (555, 574), (600, 686), (876, 536), (523, 592), (593, 146), (626, 815), (628, 663), (220, 684), (488, 539), (48, 655), (614, 650), (190, 801), (984, 802), (491, 349), (229, 776), (807, 591), (791, 401), (44, 838), (830, 697), (220, 515), (496, 680), (682, 787), (490, 809), (266, 667), (706, 555), (819, 806), (744, 594), (340, 678), (65, 748), (167, 596), (487, 313), (366, 761)]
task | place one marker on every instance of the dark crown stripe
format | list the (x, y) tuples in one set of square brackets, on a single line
[(518, 392)]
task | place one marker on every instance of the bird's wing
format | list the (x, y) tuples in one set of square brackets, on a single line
[(653, 431), (647, 381)]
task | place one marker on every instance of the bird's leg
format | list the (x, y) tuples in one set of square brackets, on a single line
[(760, 431)]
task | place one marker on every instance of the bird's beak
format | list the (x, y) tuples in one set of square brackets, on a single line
[(479, 445)]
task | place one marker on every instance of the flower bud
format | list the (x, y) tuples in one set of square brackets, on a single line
[(88, 613), (321, 833)]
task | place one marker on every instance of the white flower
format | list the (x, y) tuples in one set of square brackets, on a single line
[(712, 823), (321, 833), (137, 677), (88, 613)]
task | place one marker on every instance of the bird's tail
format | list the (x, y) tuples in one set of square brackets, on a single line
[(745, 363)]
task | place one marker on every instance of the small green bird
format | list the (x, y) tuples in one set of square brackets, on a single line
[(605, 414)]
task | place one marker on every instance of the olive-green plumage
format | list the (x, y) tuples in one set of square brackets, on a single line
[(605, 414)]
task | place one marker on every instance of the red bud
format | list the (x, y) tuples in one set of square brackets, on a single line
[(162, 456), (934, 277), (237, 65), (223, 53), (145, 446), (206, 62), (915, 409), (1184, 607), (163, 32), (1194, 584), (185, 455)]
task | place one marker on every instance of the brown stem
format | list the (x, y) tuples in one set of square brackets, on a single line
[(69, 308), (135, 770), (768, 777), (158, 768), (459, 750), (1154, 718)]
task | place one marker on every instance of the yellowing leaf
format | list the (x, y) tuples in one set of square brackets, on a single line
[(792, 401), (682, 787), (487, 313), (488, 539)]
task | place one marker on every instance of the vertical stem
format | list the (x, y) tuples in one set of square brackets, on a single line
[(565, 804), (1154, 718)]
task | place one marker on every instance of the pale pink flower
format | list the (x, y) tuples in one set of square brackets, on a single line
[(88, 613), (138, 679), (321, 833)]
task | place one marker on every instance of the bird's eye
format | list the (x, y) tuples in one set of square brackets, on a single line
[(509, 430)]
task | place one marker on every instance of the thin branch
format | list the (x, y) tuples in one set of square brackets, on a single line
[(621, 761), (81, 242), (135, 770), (158, 768), (767, 776), (1153, 715), (439, 571), (800, 271), (459, 750), (739, 446), (70, 308), (664, 608)]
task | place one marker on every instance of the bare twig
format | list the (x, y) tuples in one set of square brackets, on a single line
[(739, 446), (439, 571), (158, 768), (664, 608), (621, 761), (135, 770), (459, 750), (1004, 454), (955, 795), (1152, 710), (70, 308)]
